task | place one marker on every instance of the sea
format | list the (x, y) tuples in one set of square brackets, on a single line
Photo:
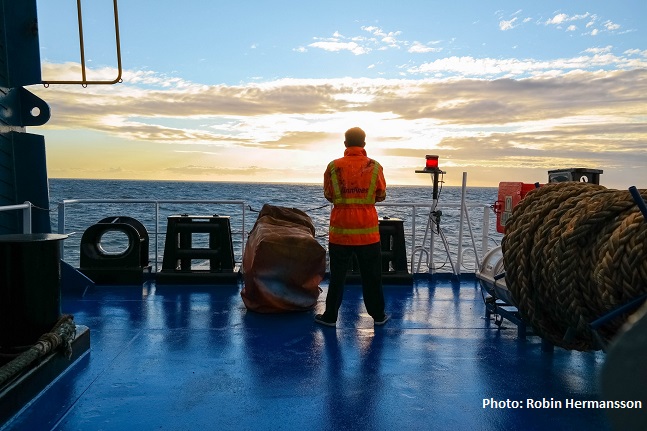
[(150, 203)]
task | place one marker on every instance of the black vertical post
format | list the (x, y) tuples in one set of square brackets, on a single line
[(435, 191), (22, 155)]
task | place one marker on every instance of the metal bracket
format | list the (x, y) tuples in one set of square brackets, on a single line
[(19, 107)]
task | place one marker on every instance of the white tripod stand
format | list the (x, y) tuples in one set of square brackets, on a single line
[(433, 219)]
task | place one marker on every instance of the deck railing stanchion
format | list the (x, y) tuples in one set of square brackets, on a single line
[(460, 226), (485, 230), (26, 218), (157, 229)]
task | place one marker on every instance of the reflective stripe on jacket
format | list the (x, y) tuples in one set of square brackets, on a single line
[(353, 184)]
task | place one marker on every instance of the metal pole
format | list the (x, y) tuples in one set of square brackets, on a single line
[(157, 229), (486, 229), (413, 235), (26, 218), (81, 44), (460, 226), (61, 227), (432, 236)]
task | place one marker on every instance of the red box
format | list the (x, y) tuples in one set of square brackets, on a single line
[(510, 193)]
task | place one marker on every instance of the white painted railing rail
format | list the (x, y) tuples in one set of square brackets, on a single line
[(419, 244), (155, 203), (26, 214)]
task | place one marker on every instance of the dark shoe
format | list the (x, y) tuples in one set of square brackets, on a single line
[(320, 319), (382, 321)]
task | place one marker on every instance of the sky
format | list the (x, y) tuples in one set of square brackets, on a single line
[(263, 91)]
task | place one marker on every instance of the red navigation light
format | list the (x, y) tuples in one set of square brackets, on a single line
[(431, 162)]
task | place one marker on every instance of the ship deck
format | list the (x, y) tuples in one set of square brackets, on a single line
[(178, 357)]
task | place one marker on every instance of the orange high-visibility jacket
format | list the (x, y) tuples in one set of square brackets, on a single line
[(353, 184)]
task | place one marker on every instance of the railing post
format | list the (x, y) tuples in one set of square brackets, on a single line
[(460, 226), (156, 235), (61, 226), (485, 230), (413, 234), (26, 218), (242, 243)]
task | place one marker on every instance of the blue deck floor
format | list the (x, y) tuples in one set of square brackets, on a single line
[(177, 358)]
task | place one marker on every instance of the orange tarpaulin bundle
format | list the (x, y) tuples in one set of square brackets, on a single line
[(283, 263)]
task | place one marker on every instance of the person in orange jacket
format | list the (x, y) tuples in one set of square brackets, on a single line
[(353, 184)]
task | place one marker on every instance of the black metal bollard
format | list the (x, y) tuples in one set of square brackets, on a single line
[(30, 287)]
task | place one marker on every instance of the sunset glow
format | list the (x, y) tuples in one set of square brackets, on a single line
[(259, 93)]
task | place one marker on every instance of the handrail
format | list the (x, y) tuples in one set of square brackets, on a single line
[(65, 202), (429, 248), (26, 214), (84, 81)]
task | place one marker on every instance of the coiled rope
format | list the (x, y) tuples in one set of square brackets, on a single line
[(573, 252), (62, 334)]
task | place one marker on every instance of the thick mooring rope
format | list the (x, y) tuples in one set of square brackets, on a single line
[(574, 252), (62, 334)]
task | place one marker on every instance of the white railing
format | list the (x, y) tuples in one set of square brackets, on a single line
[(430, 237), (26, 214), (155, 203), (426, 247)]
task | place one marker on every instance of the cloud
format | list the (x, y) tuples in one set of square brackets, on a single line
[(599, 50), (507, 25), (336, 46), (386, 38), (518, 68), (297, 139), (532, 119), (636, 52), (557, 19), (209, 171), (419, 48), (107, 107), (591, 20), (611, 26), (378, 40), (562, 18)]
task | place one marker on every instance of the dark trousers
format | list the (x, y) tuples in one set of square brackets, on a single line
[(369, 258)]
